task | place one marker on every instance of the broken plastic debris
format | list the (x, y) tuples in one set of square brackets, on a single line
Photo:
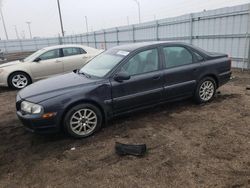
[(128, 149)]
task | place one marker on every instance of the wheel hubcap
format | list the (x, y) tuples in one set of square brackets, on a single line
[(83, 121), (19, 81), (206, 90)]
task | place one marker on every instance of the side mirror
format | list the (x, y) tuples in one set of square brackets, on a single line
[(37, 59), (121, 76), (76, 70)]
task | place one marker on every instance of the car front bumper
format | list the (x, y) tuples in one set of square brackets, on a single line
[(3, 80), (37, 124)]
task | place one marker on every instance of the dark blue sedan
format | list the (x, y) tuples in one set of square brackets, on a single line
[(121, 80)]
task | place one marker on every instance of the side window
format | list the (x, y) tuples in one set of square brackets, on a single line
[(143, 62), (52, 54), (177, 56), (73, 51), (82, 51)]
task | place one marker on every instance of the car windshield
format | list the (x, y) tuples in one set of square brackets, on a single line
[(33, 56), (103, 63)]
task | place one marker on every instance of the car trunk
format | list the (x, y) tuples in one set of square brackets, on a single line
[(214, 55)]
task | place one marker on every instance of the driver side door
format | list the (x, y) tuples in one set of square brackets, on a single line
[(50, 63), (145, 85)]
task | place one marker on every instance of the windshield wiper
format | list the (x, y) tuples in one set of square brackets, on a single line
[(85, 74)]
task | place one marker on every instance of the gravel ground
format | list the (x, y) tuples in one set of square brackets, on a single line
[(188, 146)]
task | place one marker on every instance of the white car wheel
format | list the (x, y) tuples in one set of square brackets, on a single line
[(19, 80)]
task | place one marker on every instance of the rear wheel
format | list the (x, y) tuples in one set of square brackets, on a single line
[(83, 120), (205, 90), (19, 80)]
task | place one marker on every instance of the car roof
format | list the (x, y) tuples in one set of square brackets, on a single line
[(66, 46), (135, 46)]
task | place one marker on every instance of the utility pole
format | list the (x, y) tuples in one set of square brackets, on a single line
[(29, 28), (60, 16), (4, 26), (86, 22), (127, 20), (17, 36), (139, 10)]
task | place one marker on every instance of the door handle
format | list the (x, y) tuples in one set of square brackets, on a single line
[(157, 77)]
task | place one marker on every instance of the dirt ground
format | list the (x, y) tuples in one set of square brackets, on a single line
[(188, 146)]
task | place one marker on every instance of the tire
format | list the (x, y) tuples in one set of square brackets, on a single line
[(82, 120), (205, 90), (19, 80)]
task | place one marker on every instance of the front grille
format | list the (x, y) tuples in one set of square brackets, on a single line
[(18, 102), (18, 105)]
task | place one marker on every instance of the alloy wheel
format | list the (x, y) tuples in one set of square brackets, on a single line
[(83, 122), (206, 91), (19, 81)]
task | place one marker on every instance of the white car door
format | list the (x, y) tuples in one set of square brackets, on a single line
[(74, 58), (47, 64)]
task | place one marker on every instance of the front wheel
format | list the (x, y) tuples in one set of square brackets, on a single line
[(83, 120), (19, 80), (205, 90)]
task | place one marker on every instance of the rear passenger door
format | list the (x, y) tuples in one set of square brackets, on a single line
[(74, 58), (181, 70)]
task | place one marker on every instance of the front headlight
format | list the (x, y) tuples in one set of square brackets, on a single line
[(31, 107)]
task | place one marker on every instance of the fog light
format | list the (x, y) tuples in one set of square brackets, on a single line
[(48, 115)]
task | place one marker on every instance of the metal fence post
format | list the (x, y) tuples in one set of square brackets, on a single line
[(248, 31), (35, 43), (5, 47), (60, 40), (133, 30), (104, 37), (87, 37), (81, 35), (21, 45), (157, 31), (117, 36), (191, 29), (248, 61), (95, 39)]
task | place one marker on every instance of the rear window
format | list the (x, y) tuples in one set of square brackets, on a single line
[(73, 51)]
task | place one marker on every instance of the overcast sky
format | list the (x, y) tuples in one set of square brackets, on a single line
[(101, 14)]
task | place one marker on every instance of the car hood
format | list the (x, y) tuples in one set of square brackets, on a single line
[(10, 64), (55, 86)]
